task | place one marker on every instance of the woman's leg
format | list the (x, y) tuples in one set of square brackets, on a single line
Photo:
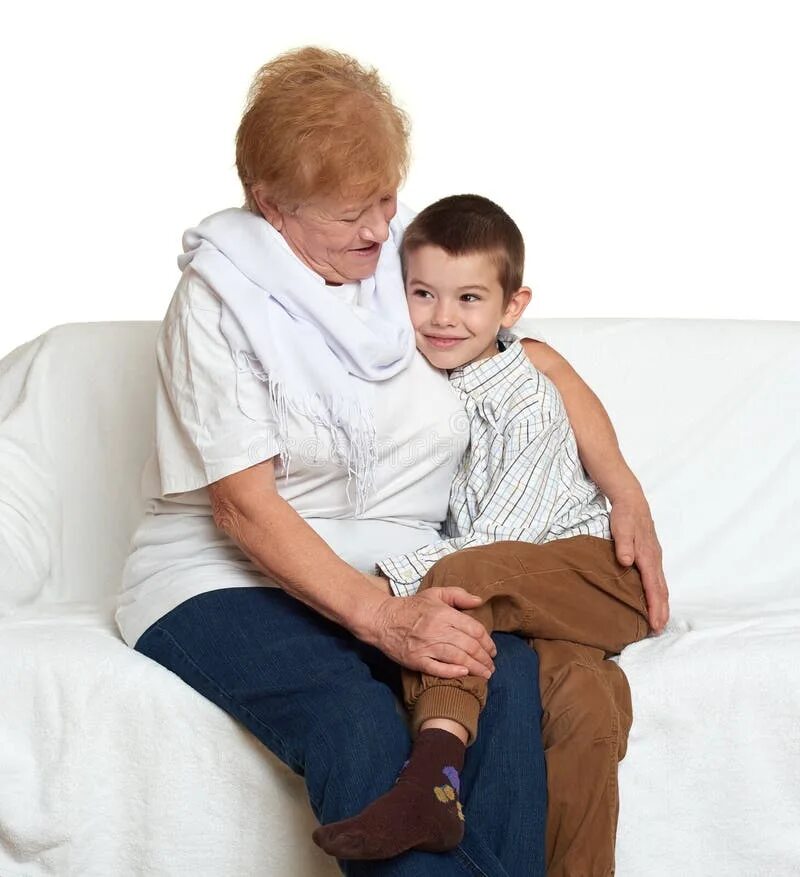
[(305, 688), (504, 776), (504, 771), (500, 786)]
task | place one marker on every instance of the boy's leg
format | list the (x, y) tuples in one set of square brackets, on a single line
[(585, 723), (568, 589)]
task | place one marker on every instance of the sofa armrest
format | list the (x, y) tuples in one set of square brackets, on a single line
[(29, 523), (30, 506)]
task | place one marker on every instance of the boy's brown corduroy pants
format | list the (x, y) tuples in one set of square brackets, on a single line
[(578, 606)]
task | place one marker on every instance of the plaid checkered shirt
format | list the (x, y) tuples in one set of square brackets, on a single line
[(520, 478)]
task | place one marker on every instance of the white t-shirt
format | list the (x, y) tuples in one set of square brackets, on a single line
[(214, 418)]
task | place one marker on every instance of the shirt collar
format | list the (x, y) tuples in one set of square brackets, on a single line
[(486, 374)]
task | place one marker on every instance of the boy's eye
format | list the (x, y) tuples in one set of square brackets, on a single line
[(420, 293), (470, 297)]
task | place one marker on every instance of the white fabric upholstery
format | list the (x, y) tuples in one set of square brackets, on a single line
[(708, 417), (76, 406), (711, 782), (111, 765)]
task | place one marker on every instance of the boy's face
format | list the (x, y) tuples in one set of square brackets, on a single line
[(456, 305)]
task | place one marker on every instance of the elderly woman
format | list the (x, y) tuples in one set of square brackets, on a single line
[(300, 438)]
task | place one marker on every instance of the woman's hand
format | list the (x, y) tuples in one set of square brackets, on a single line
[(426, 632), (636, 542), (380, 582)]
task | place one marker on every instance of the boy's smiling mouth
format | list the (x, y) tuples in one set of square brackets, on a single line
[(443, 341)]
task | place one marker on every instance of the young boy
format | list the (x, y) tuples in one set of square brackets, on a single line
[(527, 531)]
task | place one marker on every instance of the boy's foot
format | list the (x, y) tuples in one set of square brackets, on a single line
[(421, 811)]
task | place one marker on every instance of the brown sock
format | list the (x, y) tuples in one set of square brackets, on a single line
[(421, 811)]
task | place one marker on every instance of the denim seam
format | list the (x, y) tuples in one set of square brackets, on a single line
[(460, 851)]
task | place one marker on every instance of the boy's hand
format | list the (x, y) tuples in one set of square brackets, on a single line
[(636, 542)]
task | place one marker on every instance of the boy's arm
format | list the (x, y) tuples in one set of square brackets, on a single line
[(520, 504), (631, 522)]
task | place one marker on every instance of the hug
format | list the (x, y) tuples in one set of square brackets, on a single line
[(292, 573)]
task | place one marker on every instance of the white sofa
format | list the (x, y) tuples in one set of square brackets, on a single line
[(110, 765)]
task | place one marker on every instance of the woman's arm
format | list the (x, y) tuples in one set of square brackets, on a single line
[(428, 635), (631, 523)]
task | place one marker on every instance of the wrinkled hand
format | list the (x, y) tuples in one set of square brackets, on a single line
[(426, 632), (636, 542)]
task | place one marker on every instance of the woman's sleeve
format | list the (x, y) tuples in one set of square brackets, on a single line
[(213, 415)]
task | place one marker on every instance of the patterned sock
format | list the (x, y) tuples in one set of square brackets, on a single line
[(421, 811)]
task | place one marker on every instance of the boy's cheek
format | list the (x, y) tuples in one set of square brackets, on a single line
[(417, 316)]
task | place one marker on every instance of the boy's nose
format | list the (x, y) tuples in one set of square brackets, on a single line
[(443, 315)]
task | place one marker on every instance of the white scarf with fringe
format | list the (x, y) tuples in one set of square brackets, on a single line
[(306, 344)]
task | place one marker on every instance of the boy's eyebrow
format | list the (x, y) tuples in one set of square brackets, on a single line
[(474, 286), (414, 281)]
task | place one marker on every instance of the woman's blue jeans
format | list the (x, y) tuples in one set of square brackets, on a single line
[(326, 705)]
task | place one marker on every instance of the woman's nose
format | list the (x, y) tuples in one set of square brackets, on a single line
[(375, 227)]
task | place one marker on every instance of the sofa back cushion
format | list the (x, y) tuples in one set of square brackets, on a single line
[(707, 412), (708, 416)]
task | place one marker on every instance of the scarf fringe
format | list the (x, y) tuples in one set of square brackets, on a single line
[(358, 453)]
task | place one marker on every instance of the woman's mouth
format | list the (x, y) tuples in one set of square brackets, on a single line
[(369, 250)]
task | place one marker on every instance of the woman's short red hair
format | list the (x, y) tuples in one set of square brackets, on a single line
[(318, 123)]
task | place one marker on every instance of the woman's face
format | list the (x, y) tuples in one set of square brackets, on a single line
[(338, 238)]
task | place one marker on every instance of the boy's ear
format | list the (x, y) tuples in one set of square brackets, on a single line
[(514, 309)]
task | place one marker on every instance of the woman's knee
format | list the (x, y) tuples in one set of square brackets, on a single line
[(311, 692), (514, 655), (515, 683)]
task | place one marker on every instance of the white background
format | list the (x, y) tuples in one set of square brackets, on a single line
[(650, 151)]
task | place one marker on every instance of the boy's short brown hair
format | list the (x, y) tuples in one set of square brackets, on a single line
[(465, 224)]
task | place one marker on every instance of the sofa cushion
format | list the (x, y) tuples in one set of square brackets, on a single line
[(112, 765), (710, 783)]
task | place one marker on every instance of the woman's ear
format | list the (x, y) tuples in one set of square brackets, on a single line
[(268, 208), (517, 303)]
